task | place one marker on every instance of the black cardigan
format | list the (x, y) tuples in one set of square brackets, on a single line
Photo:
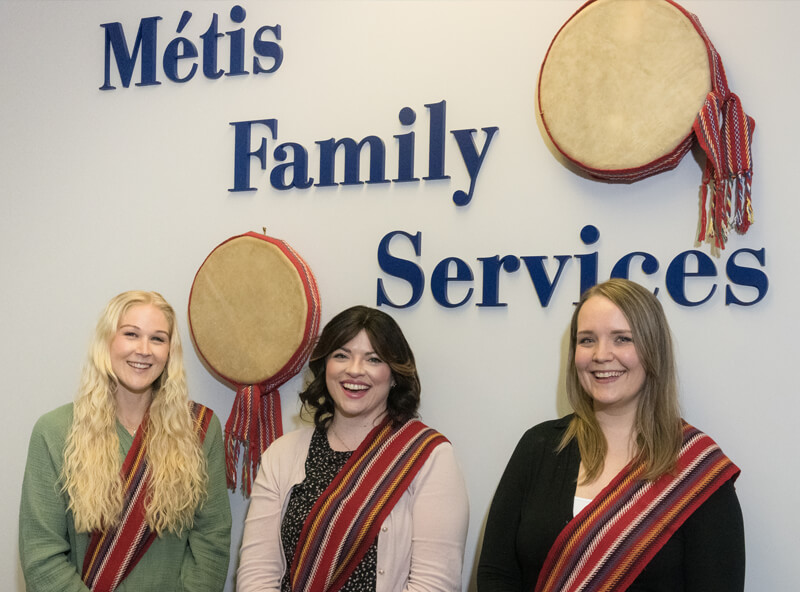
[(534, 501)]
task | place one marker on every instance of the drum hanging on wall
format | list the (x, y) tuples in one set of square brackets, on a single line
[(254, 315), (626, 88)]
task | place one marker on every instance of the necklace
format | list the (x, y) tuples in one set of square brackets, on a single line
[(131, 430), (346, 446)]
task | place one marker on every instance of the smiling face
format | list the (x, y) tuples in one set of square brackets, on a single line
[(606, 359), (358, 380), (139, 349)]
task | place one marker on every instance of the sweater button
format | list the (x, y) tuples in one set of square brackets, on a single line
[(380, 572), (384, 528)]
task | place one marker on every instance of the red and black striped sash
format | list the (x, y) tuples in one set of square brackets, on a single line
[(607, 545), (348, 515), (112, 554)]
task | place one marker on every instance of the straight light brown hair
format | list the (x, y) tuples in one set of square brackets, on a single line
[(658, 426)]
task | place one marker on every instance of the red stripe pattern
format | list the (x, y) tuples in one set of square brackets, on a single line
[(607, 545), (255, 421), (724, 132), (347, 517), (113, 553)]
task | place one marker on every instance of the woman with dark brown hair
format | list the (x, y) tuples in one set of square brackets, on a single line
[(369, 498)]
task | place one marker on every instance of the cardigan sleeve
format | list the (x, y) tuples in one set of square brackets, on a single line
[(439, 521), (714, 555), (261, 560), (45, 548), (205, 560)]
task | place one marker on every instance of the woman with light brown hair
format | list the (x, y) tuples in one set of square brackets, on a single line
[(622, 494), (124, 489)]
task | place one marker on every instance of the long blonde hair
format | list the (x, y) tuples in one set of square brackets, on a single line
[(91, 471), (658, 422)]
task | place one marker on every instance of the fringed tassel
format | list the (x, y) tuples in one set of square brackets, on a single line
[(743, 214), (706, 190), (724, 132), (254, 424), (720, 215)]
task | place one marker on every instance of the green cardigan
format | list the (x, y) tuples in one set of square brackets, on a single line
[(52, 551)]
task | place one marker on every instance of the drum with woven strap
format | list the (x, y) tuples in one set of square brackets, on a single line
[(253, 315), (628, 85)]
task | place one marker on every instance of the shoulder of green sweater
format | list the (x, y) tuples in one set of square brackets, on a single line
[(55, 423)]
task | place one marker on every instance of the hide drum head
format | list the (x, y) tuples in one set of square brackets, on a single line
[(249, 309), (621, 86)]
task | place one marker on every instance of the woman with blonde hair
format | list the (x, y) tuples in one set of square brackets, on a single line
[(124, 489), (622, 494)]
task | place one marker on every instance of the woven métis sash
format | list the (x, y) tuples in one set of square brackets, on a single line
[(607, 545), (347, 516), (725, 133), (112, 554), (254, 313)]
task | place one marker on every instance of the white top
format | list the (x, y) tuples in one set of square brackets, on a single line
[(579, 504)]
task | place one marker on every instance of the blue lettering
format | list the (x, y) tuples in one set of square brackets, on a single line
[(491, 277), (405, 147), (178, 49), (540, 278), (677, 274), (436, 141), (238, 15), (210, 43), (116, 43), (401, 268), (451, 270), (182, 48), (267, 49), (623, 267), (352, 160), (588, 262), (299, 166), (242, 152), (472, 159), (440, 279), (746, 276)]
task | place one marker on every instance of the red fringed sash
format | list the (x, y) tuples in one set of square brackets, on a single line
[(347, 516), (114, 553), (607, 545), (725, 133), (255, 421)]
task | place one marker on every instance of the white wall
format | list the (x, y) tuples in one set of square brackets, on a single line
[(107, 191)]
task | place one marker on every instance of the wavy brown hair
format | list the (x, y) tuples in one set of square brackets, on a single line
[(658, 425), (391, 346)]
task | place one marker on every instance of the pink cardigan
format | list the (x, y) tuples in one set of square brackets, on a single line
[(421, 545)]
